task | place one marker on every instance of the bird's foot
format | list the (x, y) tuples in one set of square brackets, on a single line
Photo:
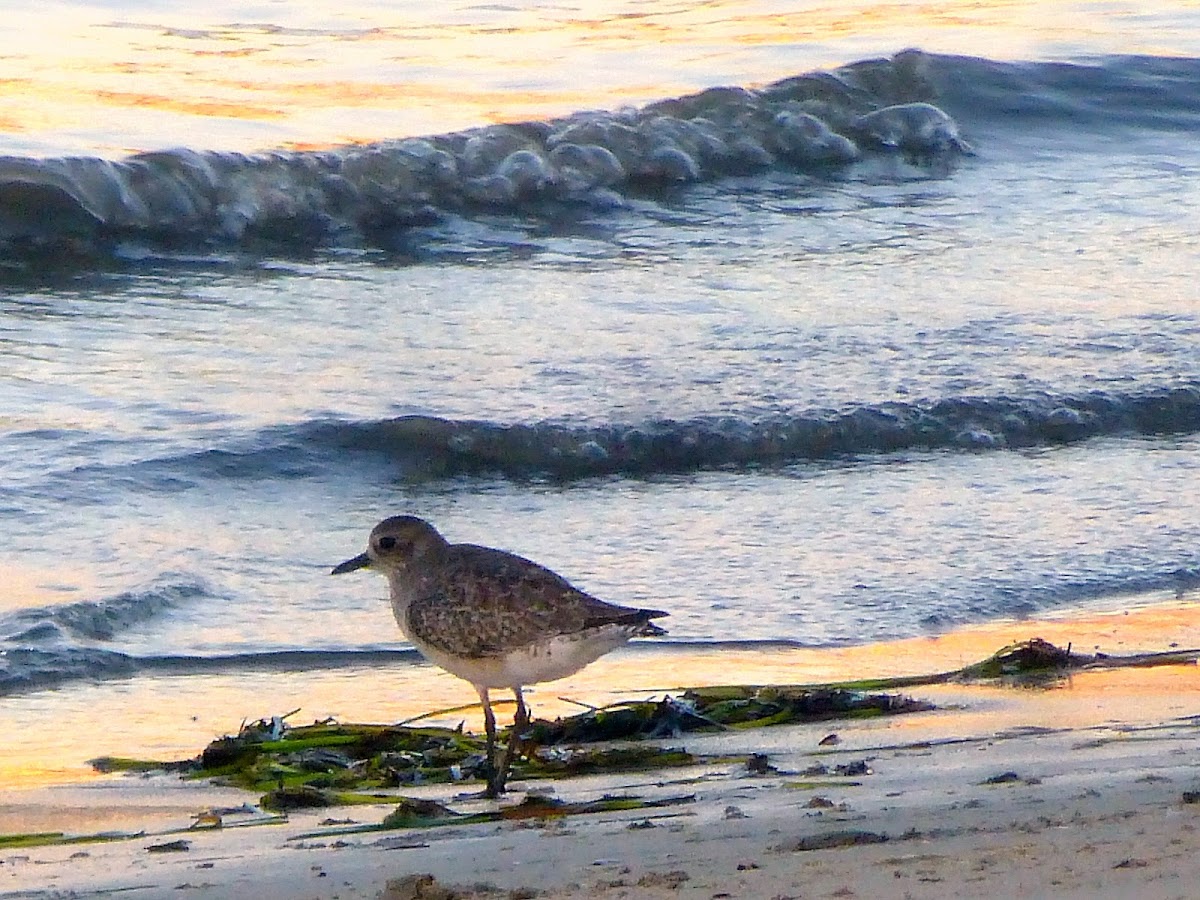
[(493, 792), (497, 777), (493, 776), (485, 794)]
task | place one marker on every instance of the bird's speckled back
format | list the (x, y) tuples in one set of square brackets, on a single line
[(478, 601)]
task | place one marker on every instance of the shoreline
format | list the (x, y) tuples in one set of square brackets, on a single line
[(173, 717), (979, 794), (1085, 789)]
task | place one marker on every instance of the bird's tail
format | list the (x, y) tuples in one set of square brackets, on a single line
[(649, 629)]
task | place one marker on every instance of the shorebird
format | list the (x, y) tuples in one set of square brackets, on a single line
[(494, 619)]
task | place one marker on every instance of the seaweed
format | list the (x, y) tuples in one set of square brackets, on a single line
[(412, 813), (1039, 663), (31, 839), (107, 765), (335, 764), (720, 708), (56, 838), (1024, 659), (559, 762)]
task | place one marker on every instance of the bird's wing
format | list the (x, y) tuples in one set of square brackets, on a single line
[(488, 601)]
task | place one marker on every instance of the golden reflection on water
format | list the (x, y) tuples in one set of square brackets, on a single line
[(25, 587), (175, 717), (189, 106), (419, 71)]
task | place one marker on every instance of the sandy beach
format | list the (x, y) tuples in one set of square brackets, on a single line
[(859, 340), (1089, 789)]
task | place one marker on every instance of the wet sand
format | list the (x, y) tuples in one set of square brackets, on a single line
[(1089, 789)]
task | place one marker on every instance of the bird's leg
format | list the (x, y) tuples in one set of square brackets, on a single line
[(489, 729), (522, 717), (499, 775), (520, 723)]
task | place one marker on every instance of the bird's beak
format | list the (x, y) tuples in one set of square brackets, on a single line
[(359, 562)]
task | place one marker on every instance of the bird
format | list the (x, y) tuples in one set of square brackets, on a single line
[(492, 618)]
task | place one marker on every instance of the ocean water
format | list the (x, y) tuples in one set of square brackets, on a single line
[(871, 343)]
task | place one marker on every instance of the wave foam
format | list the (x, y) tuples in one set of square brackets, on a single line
[(98, 620), (185, 196), (432, 447)]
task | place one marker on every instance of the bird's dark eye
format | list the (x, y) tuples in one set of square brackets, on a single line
[(387, 543)]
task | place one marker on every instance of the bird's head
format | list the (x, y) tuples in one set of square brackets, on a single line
[(395, 545)]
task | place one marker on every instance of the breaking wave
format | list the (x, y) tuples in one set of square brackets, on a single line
[(98, 620), (24, 668), (432, 447), (375, 194), (427, 447), (422, 448), (380, 195)]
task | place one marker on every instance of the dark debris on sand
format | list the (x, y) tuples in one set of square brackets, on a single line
[(333, 764)]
